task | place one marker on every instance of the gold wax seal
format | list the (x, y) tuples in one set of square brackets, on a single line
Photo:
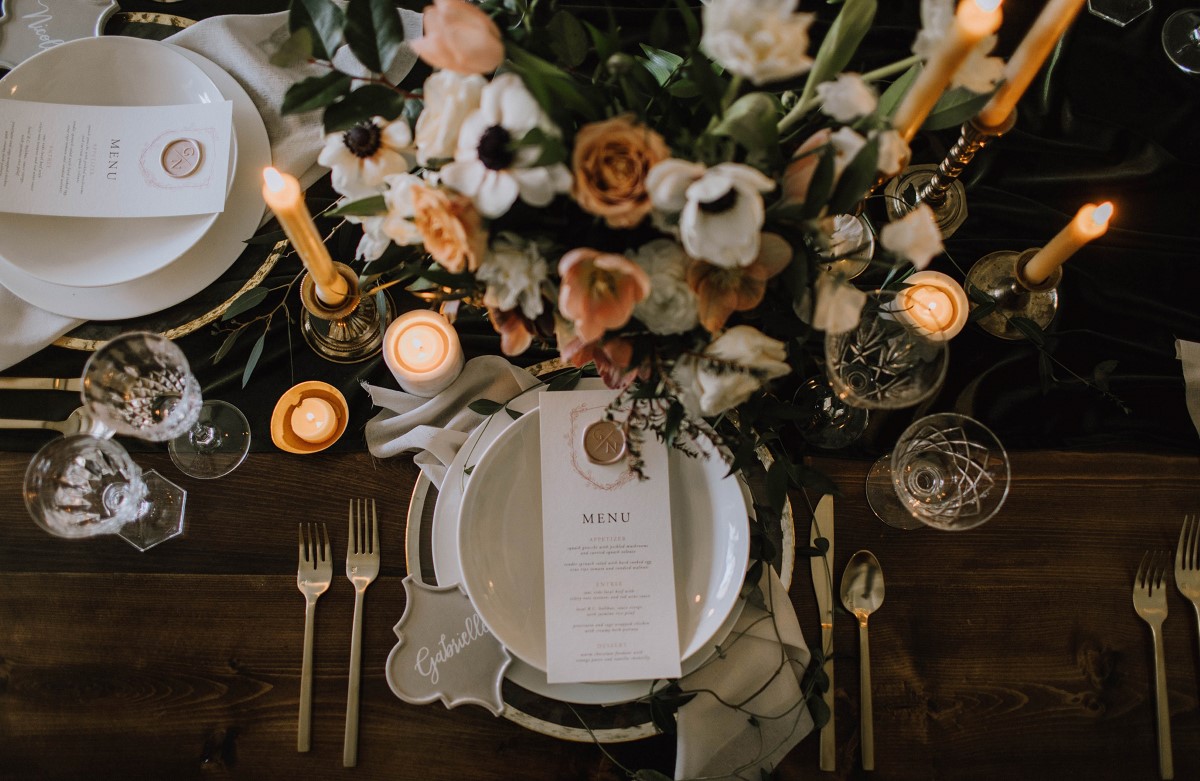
[(181, 157), (604, 442)]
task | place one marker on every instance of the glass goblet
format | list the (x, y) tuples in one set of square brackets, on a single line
[(827, 421), (947, 471), (884, 362), (81, 486), (1181, 39)]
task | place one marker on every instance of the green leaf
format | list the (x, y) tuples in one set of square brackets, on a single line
[(1101, 374), (856, 179), (650, 775), (683, 88), (362, 104), (777, 482), (895, 92), (691, 24), (271, 238), (568, 39), (315, 92), (296, 49), (605, 44), (252, 361), (227, 345), (979, 296), (842, 40), (980, 311), (814, 480), (485, 406), (364, 207), (512, 413), (751, 121), (565, 381), (467, 470), (955, 107), (821, 186), (321, 18), (1032, 331), (819, 711), (553, 87), (248, 300), (822, 545), (373, 32), (661, 64)]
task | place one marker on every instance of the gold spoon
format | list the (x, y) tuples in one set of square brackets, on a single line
[(862, 594)]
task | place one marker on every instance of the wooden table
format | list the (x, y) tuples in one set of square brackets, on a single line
[(1011, 651)]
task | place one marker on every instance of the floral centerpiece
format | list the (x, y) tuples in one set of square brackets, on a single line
[(664, 212)]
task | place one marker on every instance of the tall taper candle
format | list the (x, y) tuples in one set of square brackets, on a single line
[(1027, 60), (974, 21), (1090, 223), (282, 193)]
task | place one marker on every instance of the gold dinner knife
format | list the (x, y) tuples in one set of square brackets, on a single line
[(41, 383), (822, 577)]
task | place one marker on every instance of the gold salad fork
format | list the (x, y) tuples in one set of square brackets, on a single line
[(1187, 562), (1150, 602), (362, 566), (313, 578)]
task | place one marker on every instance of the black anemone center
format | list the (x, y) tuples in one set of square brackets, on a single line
[(363, 140), (494, 150), (722, 204)]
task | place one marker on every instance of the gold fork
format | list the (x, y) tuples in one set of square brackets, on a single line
[(1187, 562), (1150, 602), (362, 566), (313, 578)]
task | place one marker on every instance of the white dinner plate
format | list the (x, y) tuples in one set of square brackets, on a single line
[(448, 570), (201, 265), (105, 71), (500, 543)]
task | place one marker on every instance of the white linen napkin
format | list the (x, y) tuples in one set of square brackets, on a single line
[(763, 662), (241, 45), (1189, 354)]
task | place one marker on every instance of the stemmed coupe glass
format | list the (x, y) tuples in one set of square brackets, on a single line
[(140, 384), (1181, 39), (947, 471)]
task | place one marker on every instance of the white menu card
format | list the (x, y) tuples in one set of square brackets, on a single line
[(114, 161), (606, 541)]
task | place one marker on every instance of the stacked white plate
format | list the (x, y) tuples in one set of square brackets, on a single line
[(487, 536), (113, 269)]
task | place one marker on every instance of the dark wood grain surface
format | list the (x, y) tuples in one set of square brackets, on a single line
[(1010, 651)]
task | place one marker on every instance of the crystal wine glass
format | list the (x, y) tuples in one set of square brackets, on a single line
[(827, 421), (1119, 12), (884, 362), (140, 384), (947, 471), (81, 486), (1181, 39)]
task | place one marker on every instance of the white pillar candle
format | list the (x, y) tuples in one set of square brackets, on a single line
[(1027, 60), (314, 420), (423, 352), (282, 193), (974, 21), (934, 304), (1090, 222)]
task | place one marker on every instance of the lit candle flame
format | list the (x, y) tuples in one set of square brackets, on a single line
[(1103, 214), (272, 179)]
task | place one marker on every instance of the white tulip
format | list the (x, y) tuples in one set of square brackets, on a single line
[(847, 97), (763, 41), (914, 237)]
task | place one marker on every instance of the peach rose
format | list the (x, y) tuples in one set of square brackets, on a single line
[(459, 37), (610, 162), (451, 228), (599, 290), (722, 291)]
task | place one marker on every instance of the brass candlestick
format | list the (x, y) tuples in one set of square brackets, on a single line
[(1001, 275), (347, 333), (938, 185)]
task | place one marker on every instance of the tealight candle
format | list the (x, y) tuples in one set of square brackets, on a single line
[(974, 21), (423, 352), (935, 304), (1090, 223), (314, 420), (282, 193), (1027, 60)]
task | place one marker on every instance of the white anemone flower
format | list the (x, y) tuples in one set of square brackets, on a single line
[(721, 208), (487, 167), (763, 41), (363, 156), (979, 73), (914, 237), (514, 270), (847, 97)]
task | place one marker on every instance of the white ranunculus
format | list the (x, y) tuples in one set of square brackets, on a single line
[(763, 41), (398, 222), (846, 145), (671, 306), (449, 98), (486, 168), (723, 214), (362, 157), (723, 389), (893, 151), (514, 270), (838, 306), (979, 73), (914, 237), (847, 97)]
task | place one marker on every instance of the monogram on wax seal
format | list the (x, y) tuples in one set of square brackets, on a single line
[(604, 442), (181, 157)]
